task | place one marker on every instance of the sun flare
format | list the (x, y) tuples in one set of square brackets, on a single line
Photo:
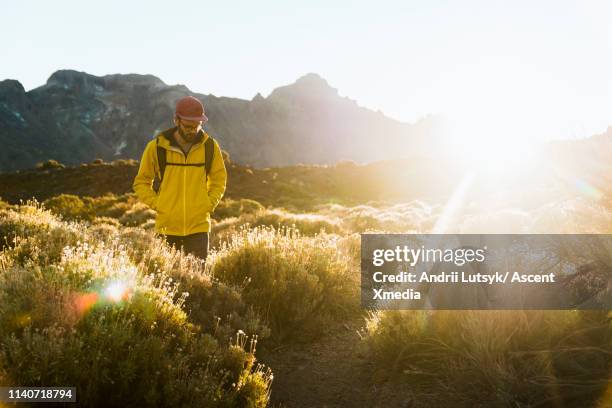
[(116, 291)]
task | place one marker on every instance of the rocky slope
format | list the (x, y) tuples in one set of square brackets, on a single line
[(77, 117)]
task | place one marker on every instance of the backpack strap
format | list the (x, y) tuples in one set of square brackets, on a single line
[(161, 164), (209, 151)]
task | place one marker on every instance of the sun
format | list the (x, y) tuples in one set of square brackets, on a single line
[(485, 151), (499, 157)]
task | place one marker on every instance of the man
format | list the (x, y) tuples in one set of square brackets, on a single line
[(187, 194)]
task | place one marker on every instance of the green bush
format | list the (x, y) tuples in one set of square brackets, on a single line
[(94, 319), (297, 283), (35, 235), (126, 209), (210, 303), (69, 207)]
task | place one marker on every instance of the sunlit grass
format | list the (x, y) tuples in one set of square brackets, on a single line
[(86, 310), (498, 358), (89, 277), (299, 284)]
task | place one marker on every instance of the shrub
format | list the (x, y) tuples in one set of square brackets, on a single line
[(95, 321), (346, 164), (113, 206), (36, 236), (49, 165), (126, 209), (307, 224), (297, 283), (210, 303), (33, 233), (69, 207), (105, 220), (236, 208), (124, 162), (405, 217), (137, 215), (495, 358)]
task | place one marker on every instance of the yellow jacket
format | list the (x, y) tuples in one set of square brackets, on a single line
[(185, 199)]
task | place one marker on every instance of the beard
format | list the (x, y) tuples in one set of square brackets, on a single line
[(189, 137)]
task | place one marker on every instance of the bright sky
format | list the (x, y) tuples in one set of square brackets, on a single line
[(530, 69)]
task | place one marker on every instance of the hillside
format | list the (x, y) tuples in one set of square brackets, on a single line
[(295, 187), (77, 117), (573, 168)]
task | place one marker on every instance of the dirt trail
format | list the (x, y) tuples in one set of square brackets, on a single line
[(331, 372)]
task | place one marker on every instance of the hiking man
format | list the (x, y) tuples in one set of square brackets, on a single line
[(182, 176)]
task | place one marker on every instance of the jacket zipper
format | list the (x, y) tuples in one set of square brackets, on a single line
[(184, 188)]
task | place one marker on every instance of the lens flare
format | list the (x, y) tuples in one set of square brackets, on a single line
[(116, 291), (587, 189), (83, 302)]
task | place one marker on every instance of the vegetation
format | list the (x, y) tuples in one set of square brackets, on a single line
[(498, 358), (50, 164), (299, 284), (73, 301), (92, 297)]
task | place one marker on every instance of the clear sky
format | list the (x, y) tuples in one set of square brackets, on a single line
[(530, 69)]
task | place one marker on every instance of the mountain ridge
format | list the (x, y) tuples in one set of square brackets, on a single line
[(76, 117)]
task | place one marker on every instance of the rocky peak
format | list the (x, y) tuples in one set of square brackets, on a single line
[(309, 86), (124, 80), (70, 78), (11, 88), (312, 80), (258, 98), (85, 84), (12, 93), (81, 83)]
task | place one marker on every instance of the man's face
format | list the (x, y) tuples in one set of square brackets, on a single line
[(189, 129)]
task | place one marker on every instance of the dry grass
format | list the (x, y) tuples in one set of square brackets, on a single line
[(297, 283), (74, 299), (282, 276), (497, 358)]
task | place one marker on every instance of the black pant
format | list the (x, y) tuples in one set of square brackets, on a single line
[(195, 244)]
